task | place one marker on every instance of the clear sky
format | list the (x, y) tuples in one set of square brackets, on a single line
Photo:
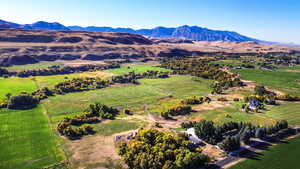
[(272, 20)]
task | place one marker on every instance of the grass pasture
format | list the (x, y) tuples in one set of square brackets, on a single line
[(16, 85), (282, 80), (146, 96), (283, 156), (26, 140), (116, 126)]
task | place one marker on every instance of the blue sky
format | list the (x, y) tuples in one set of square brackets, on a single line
[(272, 20)]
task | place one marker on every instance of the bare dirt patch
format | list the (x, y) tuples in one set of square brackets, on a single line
[(92, 150)]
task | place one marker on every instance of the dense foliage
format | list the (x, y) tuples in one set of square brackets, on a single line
[(23, 101), (80, 84), (153, 149)]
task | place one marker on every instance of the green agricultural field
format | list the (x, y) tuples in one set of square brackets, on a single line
[(281, 80), (146, 96), (40, 65), (26, 140), (283, 156), (137, 68), (15, 86), (116, 126)]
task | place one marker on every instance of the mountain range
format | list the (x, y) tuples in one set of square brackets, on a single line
[(183, 32)]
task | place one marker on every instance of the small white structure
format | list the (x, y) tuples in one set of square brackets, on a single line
[(193, 137)]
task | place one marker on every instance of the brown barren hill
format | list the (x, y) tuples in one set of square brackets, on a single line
[(27, 46)]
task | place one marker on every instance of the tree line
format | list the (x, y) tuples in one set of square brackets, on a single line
[(229, 136)]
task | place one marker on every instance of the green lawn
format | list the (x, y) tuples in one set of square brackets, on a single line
[(283, 156), (278, 79), (150, 93), (15, 86), (40, 65), (26, 140), (137, 68)]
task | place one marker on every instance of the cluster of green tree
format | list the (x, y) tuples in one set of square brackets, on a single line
[(76, 127), (197, 67), (56, 70), (154, 149), (176, 111), (229, 135), (80, 84), (22, 102)]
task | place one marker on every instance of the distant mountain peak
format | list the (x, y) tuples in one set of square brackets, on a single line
[(195, 33)]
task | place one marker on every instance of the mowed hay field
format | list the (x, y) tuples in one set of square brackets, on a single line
[(281, 79), (283, 156), (26, 140), (146, 96)]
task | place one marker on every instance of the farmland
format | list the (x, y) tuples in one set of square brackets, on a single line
[(283, 156), (150, 93), (286, 81), (26, 139), (44, 147)]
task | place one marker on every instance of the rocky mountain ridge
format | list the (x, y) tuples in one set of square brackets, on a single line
[(195, 33)]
